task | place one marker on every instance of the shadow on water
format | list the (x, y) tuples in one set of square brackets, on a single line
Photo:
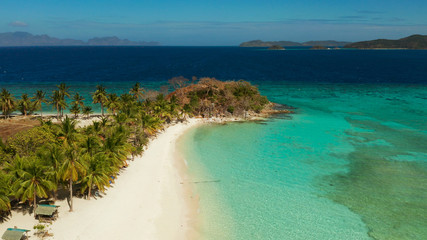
[(389, 195)]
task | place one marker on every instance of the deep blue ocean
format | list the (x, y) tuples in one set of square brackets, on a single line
[(109, 65), (351, 163)]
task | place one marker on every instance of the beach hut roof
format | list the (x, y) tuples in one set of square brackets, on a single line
[(14, 234), (45, 210)]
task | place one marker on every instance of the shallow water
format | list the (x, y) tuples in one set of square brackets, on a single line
[(351, 164)]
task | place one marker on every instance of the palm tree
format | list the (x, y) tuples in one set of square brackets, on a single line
[(56, 101), (98, 171), (139, 141), (121, 118), (100, 96), (39, 98), (72, 165), (104, 122), (68, 132), (34, 182), (75, 109), (76, 104), (149, 123), (87, 110), (63, 105), (14, 170), (63, 92), (161, 108), (53, 156), (137, 91), (4, 193), (116, 147), (127, 104), (63, 89), (90, 144), (7, 102), (113, 102), (72, 168), (94, 129), (174, 107), (24, 104), (78, 100)]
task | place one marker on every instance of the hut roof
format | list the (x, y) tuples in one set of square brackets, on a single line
[(13, 234), (45, 210)]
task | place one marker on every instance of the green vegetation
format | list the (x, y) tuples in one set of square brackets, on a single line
[(35, 163), (27, 142), (100, 96), (4, 193), (7, 102), (411, 42), (318, 48), (25, 104), (39, 98), (211, 97), (276, 47)]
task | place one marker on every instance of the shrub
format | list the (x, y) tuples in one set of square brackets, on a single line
[(28, 142), (230, 109), (39, 227)]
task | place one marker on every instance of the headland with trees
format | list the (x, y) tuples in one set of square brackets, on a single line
[(58, 155)]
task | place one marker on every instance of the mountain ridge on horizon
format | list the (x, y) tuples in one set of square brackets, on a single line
[(415, 41), (25, 39)]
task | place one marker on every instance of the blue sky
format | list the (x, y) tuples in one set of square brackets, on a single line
[(216, 22)]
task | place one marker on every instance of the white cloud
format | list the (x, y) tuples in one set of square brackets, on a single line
[(18, 24)]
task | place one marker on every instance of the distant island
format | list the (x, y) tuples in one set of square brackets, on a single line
[(276, 47), (17, 39), (318, 48), (411, 42), (259, 43)]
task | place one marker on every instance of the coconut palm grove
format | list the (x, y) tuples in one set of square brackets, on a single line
[(58, 156)]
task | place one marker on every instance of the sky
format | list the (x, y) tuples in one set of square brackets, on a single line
[(216, 22)]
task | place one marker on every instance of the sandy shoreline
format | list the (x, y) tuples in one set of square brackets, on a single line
[(147, 201)]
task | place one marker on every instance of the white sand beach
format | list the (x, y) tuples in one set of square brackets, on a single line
[(147, 200)]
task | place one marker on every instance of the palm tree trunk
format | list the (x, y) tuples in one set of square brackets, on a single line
[(57, 111), (71, 194), (102, 108), (35, 202), (89, 194)]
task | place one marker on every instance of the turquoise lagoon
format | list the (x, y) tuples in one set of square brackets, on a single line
[(350, 164)]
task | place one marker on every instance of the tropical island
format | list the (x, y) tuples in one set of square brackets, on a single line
[(411, 42), (276, 47), (259, 43), (22, 39), (318, 48), (64, 161)]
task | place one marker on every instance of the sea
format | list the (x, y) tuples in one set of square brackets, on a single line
[(350, 163)]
